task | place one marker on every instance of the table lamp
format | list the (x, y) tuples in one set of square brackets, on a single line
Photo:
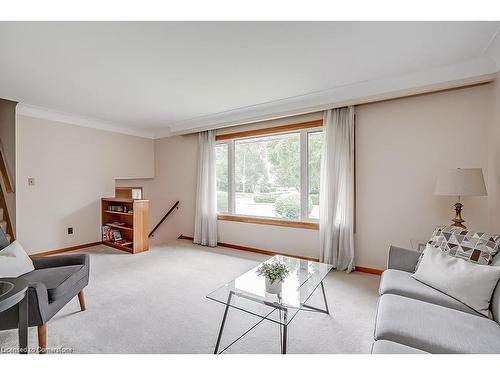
[(460, 182)]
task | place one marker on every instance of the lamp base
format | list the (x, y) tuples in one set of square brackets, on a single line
[(458, 221)]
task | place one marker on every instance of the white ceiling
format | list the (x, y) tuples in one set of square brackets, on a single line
[(149, 78)]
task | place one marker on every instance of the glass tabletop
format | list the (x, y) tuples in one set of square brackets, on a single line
[(249, 293)]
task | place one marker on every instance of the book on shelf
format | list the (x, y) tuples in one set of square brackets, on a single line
[(107, 233), (117, 236)]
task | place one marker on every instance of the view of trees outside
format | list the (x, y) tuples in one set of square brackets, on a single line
[(266, 169), (221, 167), (267, 176), (314, 144)]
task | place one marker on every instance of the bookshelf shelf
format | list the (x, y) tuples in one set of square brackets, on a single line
[(118, 226), (119, 213), (135, 224), (119, 247)]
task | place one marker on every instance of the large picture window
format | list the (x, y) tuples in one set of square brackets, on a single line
[(273, 176)]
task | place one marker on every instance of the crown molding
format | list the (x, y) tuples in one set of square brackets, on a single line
[(53, 115), (466, 73), (492, 50)]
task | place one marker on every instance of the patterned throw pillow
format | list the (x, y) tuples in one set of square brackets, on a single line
[(475, 247)]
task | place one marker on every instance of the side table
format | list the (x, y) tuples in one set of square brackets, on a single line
[(14, 292)]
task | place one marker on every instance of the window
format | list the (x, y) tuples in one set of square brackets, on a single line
[(314, 144), (273, 176), (221, 157)]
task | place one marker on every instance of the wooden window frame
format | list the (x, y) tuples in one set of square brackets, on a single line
[(228, 139)]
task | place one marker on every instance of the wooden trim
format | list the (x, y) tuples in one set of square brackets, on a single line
[(252, 249), (275, 222), (373, 271), (65, 249), (275, 129)]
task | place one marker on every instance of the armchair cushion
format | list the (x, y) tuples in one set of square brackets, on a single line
[(58, 280), (61, 260)]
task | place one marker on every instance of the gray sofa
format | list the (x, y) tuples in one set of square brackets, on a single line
[(413, 318)]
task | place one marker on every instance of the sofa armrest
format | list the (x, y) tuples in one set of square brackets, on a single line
[(402, 259), (61, 260)]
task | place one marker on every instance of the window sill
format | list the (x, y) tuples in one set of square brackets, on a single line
[(275, 222)]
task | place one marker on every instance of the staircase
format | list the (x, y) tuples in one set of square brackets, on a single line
[(3, 225), (6, 187)]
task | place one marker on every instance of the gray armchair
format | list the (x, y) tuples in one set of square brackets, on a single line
[(54, 282)]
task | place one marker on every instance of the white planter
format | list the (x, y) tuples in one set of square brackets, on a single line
[(273, 288)]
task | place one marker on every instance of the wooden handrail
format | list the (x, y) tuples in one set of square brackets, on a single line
[(5, 171), (9, 188), (176, 205)]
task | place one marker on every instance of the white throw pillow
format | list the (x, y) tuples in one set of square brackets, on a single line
[(470, 283), (14, 261)]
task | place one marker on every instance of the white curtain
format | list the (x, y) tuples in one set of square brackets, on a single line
[(205, 226), (337, 189)]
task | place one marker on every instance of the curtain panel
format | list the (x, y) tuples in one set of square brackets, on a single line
[(205, 227), (337, 189)]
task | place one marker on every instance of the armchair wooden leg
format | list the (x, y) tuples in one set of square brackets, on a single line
[(42, 339), (81, 299)]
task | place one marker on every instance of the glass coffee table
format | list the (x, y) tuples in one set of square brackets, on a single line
[(248, 293)]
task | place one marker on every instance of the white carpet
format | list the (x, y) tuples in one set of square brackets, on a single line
[(154, 302)]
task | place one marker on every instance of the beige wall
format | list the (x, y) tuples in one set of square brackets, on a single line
[(175, 179), (401, 144), (8, 139), (73, 168), (400, 147), (493, 177)]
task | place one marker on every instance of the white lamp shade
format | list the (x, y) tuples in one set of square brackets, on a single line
[(461, 182)]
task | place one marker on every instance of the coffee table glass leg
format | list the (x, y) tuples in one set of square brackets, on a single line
[(324, 297), (281, 331), (223, 322), (285, 327), (23, 325)]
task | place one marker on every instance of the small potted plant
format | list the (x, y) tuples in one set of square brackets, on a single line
[(274, 274)]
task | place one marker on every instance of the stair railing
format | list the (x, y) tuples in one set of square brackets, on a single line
[(9, 188), (175, 206)]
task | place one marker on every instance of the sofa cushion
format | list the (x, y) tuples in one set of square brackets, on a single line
[(58, 280), (471, 284), (433, 328), (476, 247), (391, 347), (495, 298), (402, 284)]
